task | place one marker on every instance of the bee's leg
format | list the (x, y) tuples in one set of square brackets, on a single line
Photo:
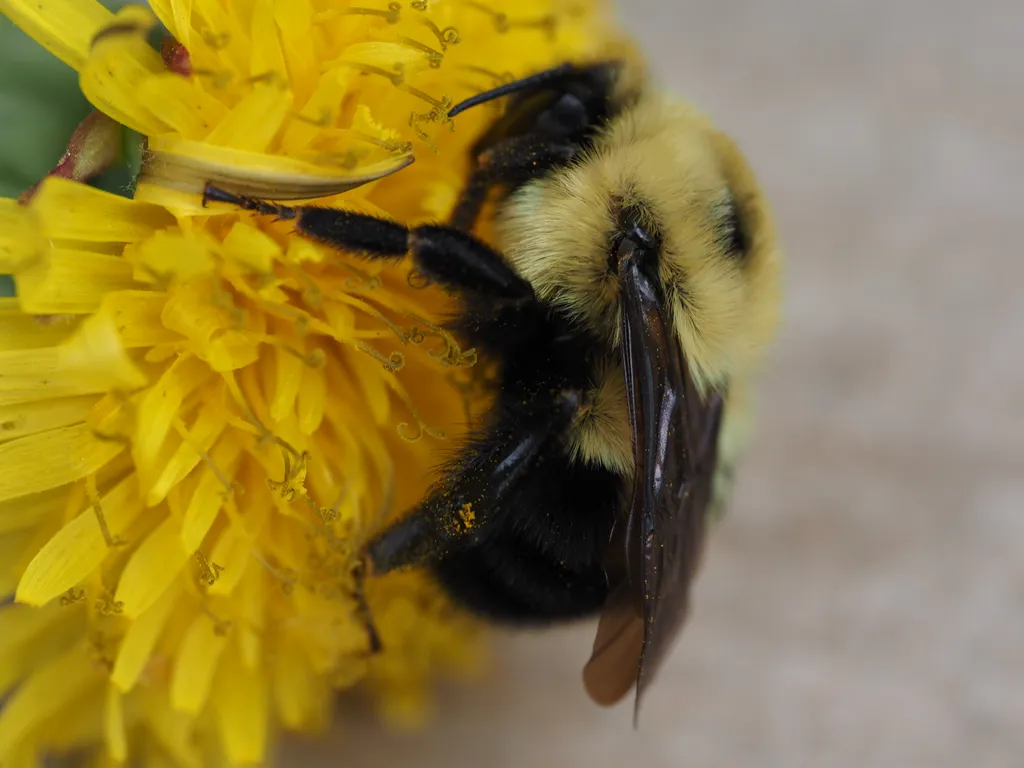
[(455, 260), (510, 161), (363, 613), (475, 495)]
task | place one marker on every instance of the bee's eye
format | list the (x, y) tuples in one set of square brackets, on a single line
[(732, 231)]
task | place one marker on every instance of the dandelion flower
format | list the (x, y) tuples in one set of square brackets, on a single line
[(203, 416)]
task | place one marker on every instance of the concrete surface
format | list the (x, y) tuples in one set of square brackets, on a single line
[(863, 604)]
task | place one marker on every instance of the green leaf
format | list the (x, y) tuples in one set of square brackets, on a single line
[(40, 105)]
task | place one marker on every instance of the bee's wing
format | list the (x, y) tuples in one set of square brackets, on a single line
[(675, 437), (618, 646)]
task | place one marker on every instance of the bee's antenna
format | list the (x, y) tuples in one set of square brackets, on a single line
[(523, 84)]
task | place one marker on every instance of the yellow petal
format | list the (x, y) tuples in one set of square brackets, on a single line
[(232, 553), (13, 553), (174, 731), (63, 27), (26, 756), (50, 459), (322, 106), (251, 248), (294, 21), (176, 16), (299, 694), (201, 437), (80, 723), (158, 408), (152, 568), (181, 255), (43, 695), (196, 315), (255, 120), (21, 242), (71, 281), (387, 56), (140, 640), (289, 369), (312, 395), (114, 726), (242, 710), (185, 167), (301, 250), (233, 48), (26, 511), (209, 494), (252, 602), (136, 314), (211, 328), (21, 626), (376, 397), (19, 330), (185, 107), (30, 418), (196, 664), (119, 64), (79, 547), (91, 361), (267, 56), (363, 121), (97, 357), (231, 350), (68, 210)]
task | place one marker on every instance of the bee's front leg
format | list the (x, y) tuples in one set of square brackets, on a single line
[(453, 259)]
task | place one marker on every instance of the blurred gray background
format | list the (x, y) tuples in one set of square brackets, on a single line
[(863, 602)]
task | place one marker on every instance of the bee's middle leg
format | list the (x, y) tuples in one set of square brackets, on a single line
[(475, 496)]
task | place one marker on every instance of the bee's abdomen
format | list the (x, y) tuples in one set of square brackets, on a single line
[(543, 559), (498, 582)]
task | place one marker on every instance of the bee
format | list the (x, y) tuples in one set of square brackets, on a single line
[(632, 290)]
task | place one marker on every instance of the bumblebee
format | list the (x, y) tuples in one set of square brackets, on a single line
[(632, 290)]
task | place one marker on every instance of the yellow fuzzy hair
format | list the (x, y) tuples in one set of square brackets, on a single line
[(665, 156)]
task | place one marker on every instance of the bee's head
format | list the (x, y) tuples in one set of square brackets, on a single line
[(663, 178)]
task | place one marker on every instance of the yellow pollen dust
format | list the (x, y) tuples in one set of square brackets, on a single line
[(467, 515)]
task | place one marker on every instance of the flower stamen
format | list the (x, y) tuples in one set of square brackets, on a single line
[(217, 41), (221, 626), (106, 605), (270, 77), (209, 571), (229, 487), (434, 58), (72, 597), (219, 80), (391, 15), (97, 508), (503, 23), (397, 76), (391, 364), (445, 37)]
